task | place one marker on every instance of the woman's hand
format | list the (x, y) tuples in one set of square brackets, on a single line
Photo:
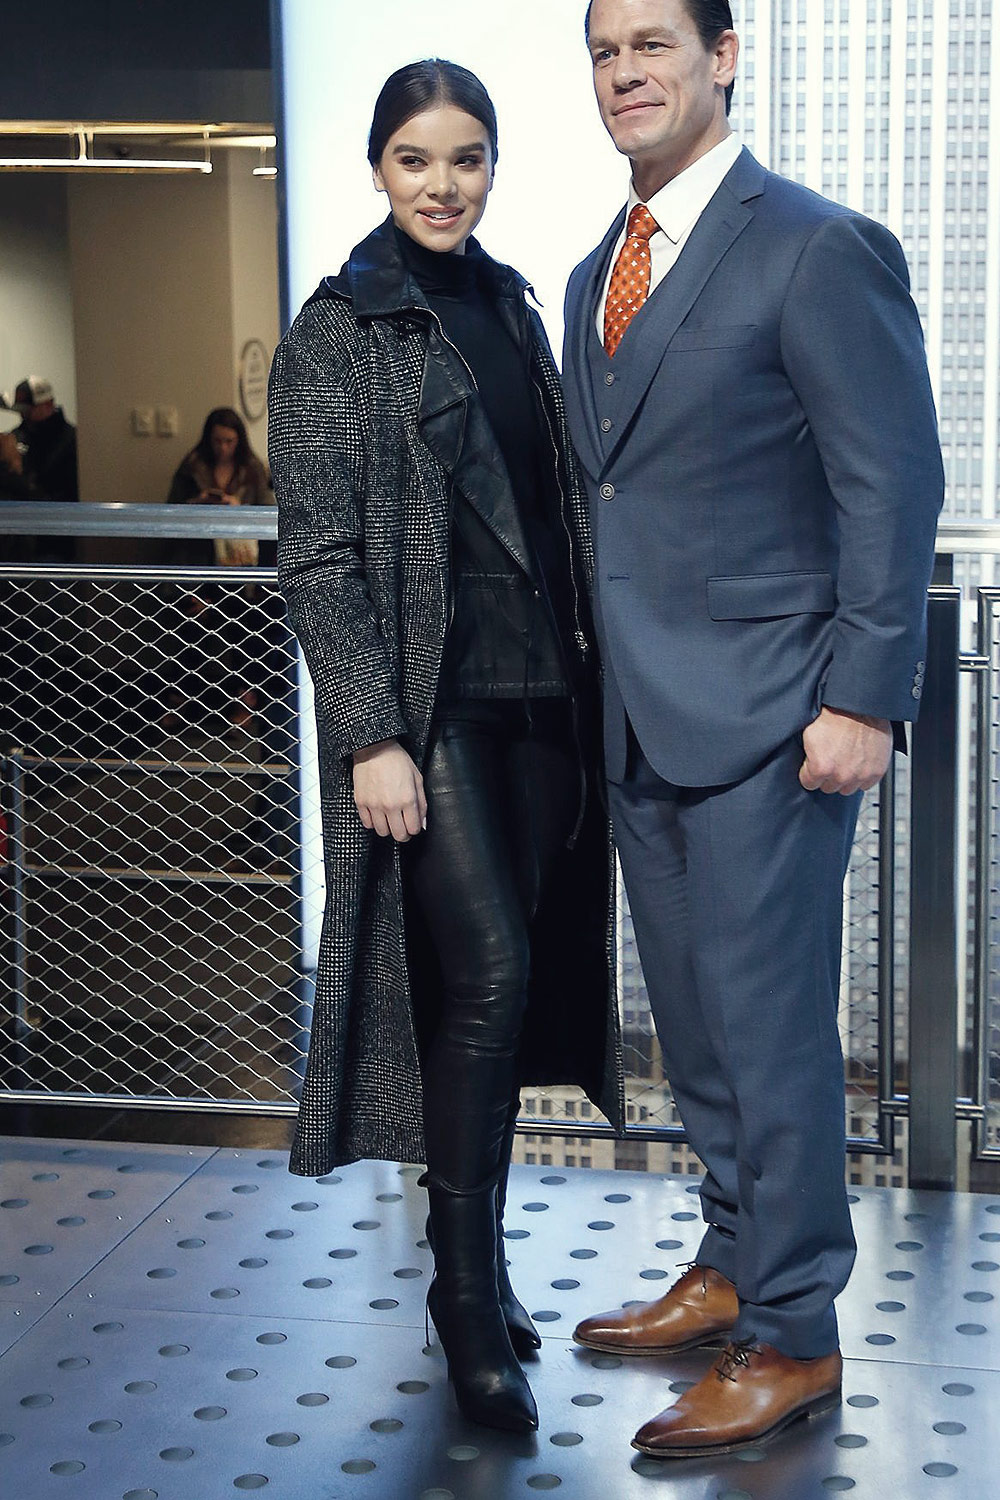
[(389, 791)]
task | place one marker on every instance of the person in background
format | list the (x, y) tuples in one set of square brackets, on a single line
[(216, 662), (47, 444), (14, 485)]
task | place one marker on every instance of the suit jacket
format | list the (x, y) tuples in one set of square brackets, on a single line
[(764, 477)]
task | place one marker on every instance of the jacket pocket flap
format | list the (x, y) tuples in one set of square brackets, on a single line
[(761, 596), (733, 336)]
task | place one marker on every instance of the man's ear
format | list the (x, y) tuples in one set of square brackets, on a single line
[(377, 179)]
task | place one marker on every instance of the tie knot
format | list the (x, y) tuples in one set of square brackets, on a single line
[(641, 224)]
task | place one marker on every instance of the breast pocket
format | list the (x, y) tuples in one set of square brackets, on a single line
[(768, 596), (732, 336)]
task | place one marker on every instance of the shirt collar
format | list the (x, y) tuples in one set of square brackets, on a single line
[(678, 205)]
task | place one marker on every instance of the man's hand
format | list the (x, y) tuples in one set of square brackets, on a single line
[(845, 752), (389, 791)]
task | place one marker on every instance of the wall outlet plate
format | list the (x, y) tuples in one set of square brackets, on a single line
[(142, 421)]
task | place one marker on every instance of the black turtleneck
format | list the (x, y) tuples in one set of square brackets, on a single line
[(504, 639), (458, 288)]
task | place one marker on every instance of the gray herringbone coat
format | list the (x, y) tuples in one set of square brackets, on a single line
[(367, 408)]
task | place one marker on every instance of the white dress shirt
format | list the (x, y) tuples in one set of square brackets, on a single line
[(677, 207)]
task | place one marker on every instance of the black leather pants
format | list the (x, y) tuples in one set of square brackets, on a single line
[(502, 783)]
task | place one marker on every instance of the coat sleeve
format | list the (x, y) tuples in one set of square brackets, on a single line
[(317, 456), (853, 349)]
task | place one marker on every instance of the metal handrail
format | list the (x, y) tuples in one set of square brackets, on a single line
[(44, 518)]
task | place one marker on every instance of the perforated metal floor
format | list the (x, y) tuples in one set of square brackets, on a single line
[(184, 1324)]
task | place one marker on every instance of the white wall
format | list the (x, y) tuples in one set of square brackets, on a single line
[(253, 262), (171, 275), (559, 180), (152, 308), (36, 324)]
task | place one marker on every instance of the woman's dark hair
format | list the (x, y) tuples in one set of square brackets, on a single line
[(224, 416), (422, 85), (711, 17)]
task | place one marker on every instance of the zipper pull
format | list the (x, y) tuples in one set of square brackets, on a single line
[(581, 641)]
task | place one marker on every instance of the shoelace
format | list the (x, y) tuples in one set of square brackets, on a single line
[(736, 1356), (694, 1265)]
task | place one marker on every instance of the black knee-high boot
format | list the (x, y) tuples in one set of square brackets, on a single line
[(524, 1336), (490, 1386)]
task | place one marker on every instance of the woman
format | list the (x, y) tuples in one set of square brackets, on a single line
[(434, 557), (221, 469)]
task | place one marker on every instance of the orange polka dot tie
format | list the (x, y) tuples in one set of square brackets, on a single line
[(629, 285)]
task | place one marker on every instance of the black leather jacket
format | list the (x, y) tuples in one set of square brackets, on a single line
[(514, 628)]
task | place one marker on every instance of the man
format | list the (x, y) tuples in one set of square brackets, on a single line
[(747, 389), (48, 445)]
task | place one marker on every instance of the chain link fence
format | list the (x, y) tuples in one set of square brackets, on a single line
[(157, 875)]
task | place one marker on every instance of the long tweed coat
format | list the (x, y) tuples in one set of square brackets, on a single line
[(367, 417)]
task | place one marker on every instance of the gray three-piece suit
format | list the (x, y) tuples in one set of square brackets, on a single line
[(764, 478)]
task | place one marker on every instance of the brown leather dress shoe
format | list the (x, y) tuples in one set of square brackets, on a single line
[(750, 1394), (699, 1309)]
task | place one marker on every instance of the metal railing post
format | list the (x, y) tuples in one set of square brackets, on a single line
[(933, 1043)]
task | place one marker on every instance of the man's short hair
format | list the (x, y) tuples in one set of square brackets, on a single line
[(711, 17)]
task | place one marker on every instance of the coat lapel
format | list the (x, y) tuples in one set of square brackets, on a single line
[(719, 227), (581, 410)]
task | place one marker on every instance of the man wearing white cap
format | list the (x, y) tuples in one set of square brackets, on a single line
[(48, 445)]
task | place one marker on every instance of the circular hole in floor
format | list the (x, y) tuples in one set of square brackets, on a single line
[(211, 1413), (386, 1424), (566, 1439), (358, 1466), (599, 1224), (283, 1439), (588, 1399), (412, 1387), (940, 1471), (341, 1362), (862, 1401), (950, 1429), (582, 1254)]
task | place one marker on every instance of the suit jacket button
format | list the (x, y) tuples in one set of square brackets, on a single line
[(607, 424), (609, 378), (921, 666), (916, 692), (607, 492)]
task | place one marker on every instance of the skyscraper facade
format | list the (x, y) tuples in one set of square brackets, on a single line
[(893, 107)]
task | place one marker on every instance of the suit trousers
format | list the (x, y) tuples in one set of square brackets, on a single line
[(736, 896)]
